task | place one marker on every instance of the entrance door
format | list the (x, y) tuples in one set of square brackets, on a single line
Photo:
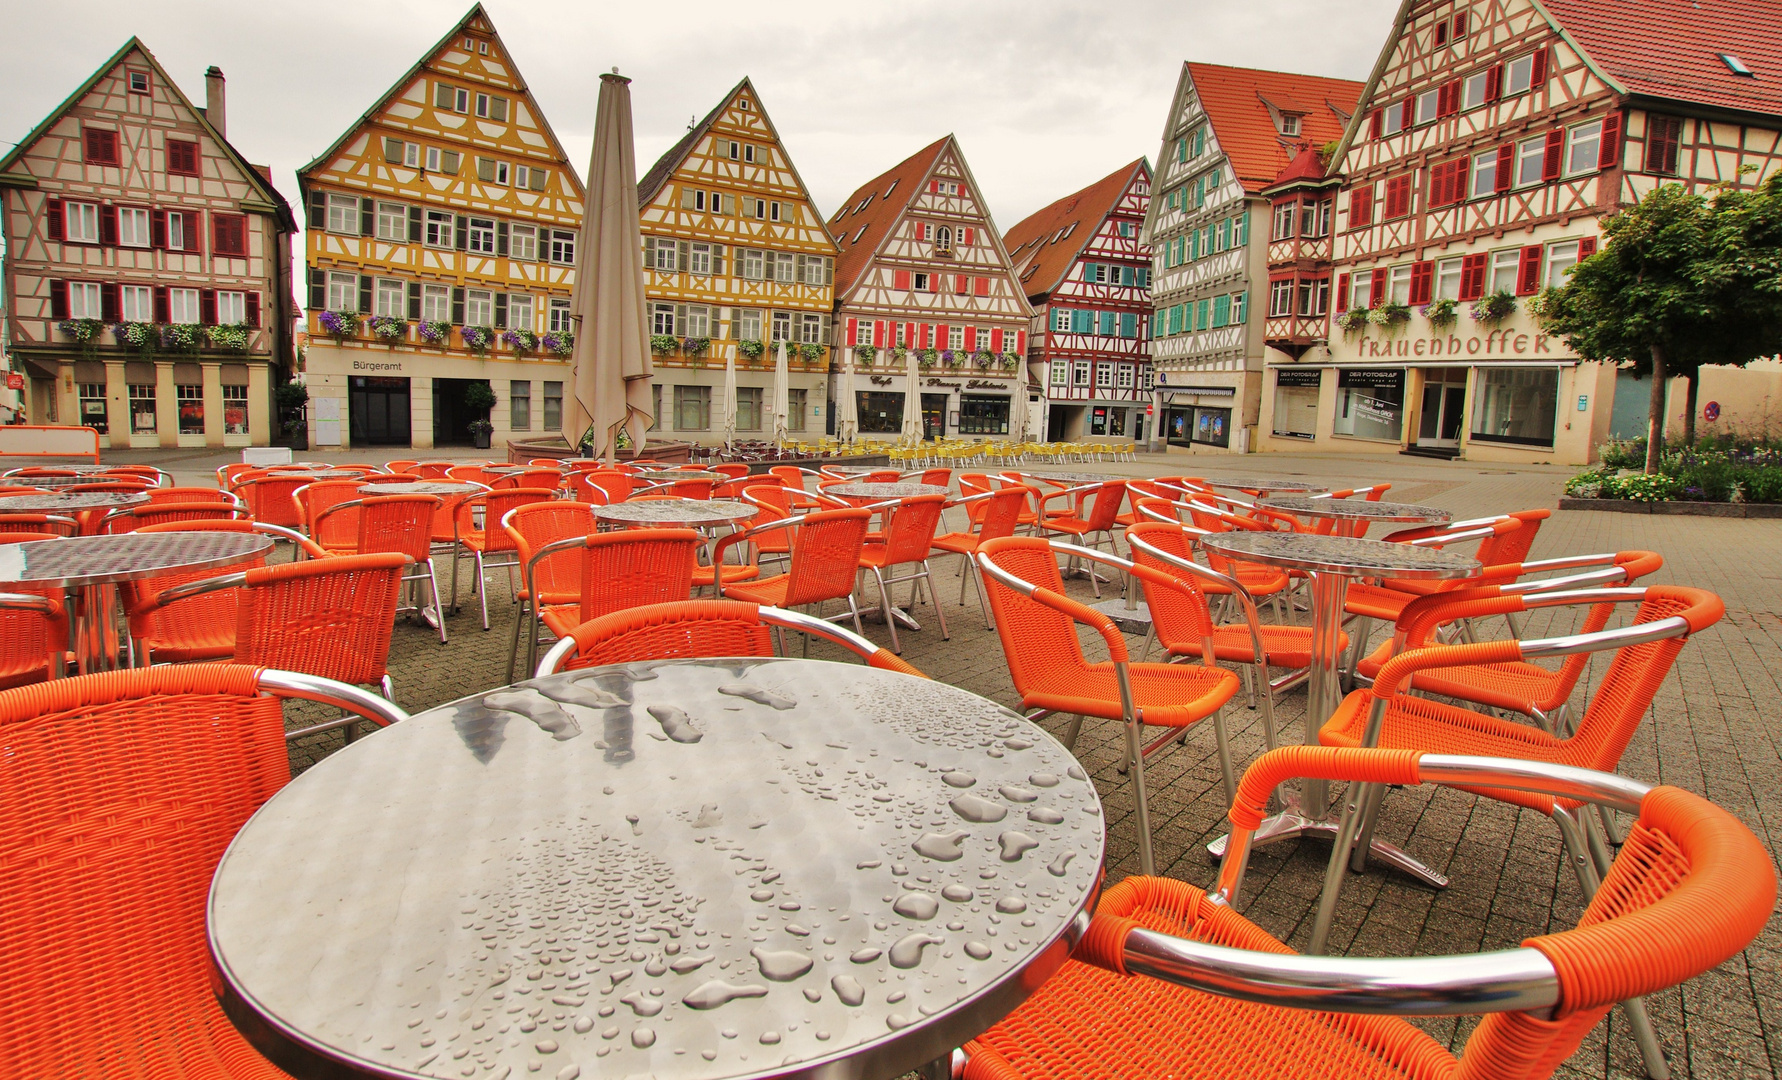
[(934, 416), (451, 415), (377, 411), (1443, 409)]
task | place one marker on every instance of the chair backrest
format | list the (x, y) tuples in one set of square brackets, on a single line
[(790, 475), (327, 617), (1000, 514), (189, 495), (633, 567), (37, 524), (268, 498), (135, 517), (879, 476), (1513, 546), (1180, 618), (938, 477), (495, 505), (825, 556), (118, 794), (733, 489), (228, 474), (734, 470), (558, 576), (403, 466), (33, 637), (533, 478), (1035, 638), (613, 485), (116, 487), (435, 470), (400, 523), (1106, 506), (340, 531), (474, 474), (691, 489), (390, 478), (909, 532)]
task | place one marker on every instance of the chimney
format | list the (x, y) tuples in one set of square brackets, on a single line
[(215, 108)]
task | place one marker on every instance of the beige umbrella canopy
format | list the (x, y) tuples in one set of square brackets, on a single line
[(782, 398), (912, 402), (847, 409), (1018, 403), (611, 370), (729, 403)]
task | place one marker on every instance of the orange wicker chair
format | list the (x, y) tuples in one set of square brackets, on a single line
[(33, 638), (1691, 889), (995, 513), (624, 569), (687, 489), (792, 479), (489, 540), (531, 478), (699, 628), (1100, 520), (825, 561), (118, 794), (906, 541), (403, 465), (732, 470), (472, 474), (36, 525), (400, 523), (130, 518), (547, 579), (601, 487), (437, 470), (389, 478), (777, 503), (314, 501), (268, 499), (1036, 622), (191, 495)]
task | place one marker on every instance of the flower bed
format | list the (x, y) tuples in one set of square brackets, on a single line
[(1715, 472)]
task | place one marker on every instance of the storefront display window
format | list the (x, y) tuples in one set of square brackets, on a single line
[(235, 410), (1212, 426), (1296, 403), (92, 407), (142, 409), (1370, 403), (191, 409), (879, 413), (983, 415), (1098, 420), (1516, 405)]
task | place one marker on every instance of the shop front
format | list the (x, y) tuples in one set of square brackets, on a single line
[(159, 402), (1199, 418), (947, 406)]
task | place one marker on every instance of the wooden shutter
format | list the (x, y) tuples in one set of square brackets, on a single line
[(318, 289), (878, 333), (1342, 292), (1459, 26), (1555, 153), (539, 178), (1586, 248), (829, 272), (367, 216), (1494, 82), (207, 306), (458, 306), (252, 310), (1373, 124), (501, 311), (1608, 154), (971, 339), (501, 238), (853, 330), (1506, 167), (485, 169), (970, 237), (1472, 276), (1021, 342), (448, 162), (498, 109), (414, 300), (1538, 69), (108, 301), (1422, 281), (717, 260), (392, 151), (108, 226), (1407, 113), (58, 299), (1376, 294), (163, 309), (940, 335), (900, 279), (686, 198), (461, 233), (414, 225), (1398, 197), (981, 286), (1528, 273), (365, 294), (682, 255), (1361, 207), (996, 340), (158, 229), (443, 96), (57, 224), (1448, 98), (318, 208)]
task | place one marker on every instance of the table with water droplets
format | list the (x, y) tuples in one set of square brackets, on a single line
[(685, 869)]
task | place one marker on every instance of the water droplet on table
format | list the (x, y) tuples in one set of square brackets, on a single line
[(907, 952), (1011, 905), (866, 956), (1045, 815), (712, 994), (958, 779), (643, 1038), (959, 894), (675, 724), (977, 809), (781, 966), (916, 905), (1015, 844), (977, 950), (1056, 866), (941, 847), (848, 989)]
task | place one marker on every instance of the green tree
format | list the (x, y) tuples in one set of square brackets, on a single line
[(1741, 276)]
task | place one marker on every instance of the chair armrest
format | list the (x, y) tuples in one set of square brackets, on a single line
[(43, 605), (1110, 633), (874, 655), (350, 504), (725, 543), (296, 684), (189, 589)]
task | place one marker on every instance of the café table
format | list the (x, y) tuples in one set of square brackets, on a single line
[(685, 869), (882, 492), (1265, 485), (676, 513), (67, 481), (1330, 562), (1351, 517), (421, 487), (658, 475), (76, 504), (1069, 479), (840, 471), (89, 568)]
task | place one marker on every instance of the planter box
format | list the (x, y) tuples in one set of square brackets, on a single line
[(1689, 509)]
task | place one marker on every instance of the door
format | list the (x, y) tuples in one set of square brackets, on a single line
[(934, 416), (377, 411), (1443, 408)]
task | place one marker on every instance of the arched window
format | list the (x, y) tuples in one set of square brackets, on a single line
[(943, 239)]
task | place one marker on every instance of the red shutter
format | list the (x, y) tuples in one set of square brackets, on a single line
[(1555, 154), (1342, 296), (1472, 276), (1608, 155), (58, 228), (1021, 342), (900, 279), (158, 229), (1377, 292), (1528, 274), (108, 301), (58, 299), (207, 306), (970, 235), (1538, 72), (194, 229), (940, 335), (253, 310), (1506, 167), (996, 341), (853, 331), (934, 185), (163, 311), (1398, 197), (1361, 207), (971, 339), (912, 333), (108, 225), (1462, 170), (1441, 33), (1448, 101), (1422, 282), (1373, 124), (1408, 113), (981, 286), (1494, 82), (1586, 248), (878, 333), (1459, 26)]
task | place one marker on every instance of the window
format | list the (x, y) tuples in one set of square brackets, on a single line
[(1447, 279), (235, 409), (1484, 174), (1392, 121), (1314, 297), (133, 227), (752, 264), (449, 97), (662, 319), (343, 214), (1281, 226), (1472, 91), (810, 329), (519, 405), (231, 308), (1061, 320), (392, 299), (1289, 124), (795, 410), (782, 328), (1561, 257), (479, 307), (392, 222), (816, 270), (699, 259), (491, 107), (692, 408), (228, 234), (523, 176), (92, 407), (343, 291), (981, 414), (1663, 136), (182, 157), (520, 312), (1280, 297), (142, 408), (101, 146), (1516, 405), (482, 236), (84, 300), (1079, 373), (745, 325), (1503, 269), (177, 234), (1519, 75), (1428, 105), (1370, 403), (553, 407), (665, 257), (955, 338), (559, 318), (136, 303), (139, 82), (1583, 144), (749, 152), (80, 222), (943, 239), (411, 155), (522, 243), (699, 321), (436, 303), (1060, 372), (1296, 403), (785, 267), (1362, 295), (562, 246), (748, 408), (191, 409), (1530, 153), (1398, 284), (433, 159)]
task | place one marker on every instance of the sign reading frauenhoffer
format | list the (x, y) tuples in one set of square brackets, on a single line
[(1496, 343)]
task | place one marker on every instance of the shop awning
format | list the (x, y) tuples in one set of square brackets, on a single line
[(1187, 393)]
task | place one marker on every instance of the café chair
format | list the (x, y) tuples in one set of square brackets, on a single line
[(33, 638), (548, 580), (1037, 625), (907, 538), (127, 519), (697, 628), (614, 570), (269, 498), (601, 487), (487, 543), (403, 465), (824, 564), (390, 478), (38, 525), (994, 513), (401, 523), (1169, 980), (532, 478), (1103, 508), (191, 495), (118, 794)]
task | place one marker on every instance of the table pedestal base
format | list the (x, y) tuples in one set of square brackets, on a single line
[(1291, 822), (1132, 618), (97, 634)]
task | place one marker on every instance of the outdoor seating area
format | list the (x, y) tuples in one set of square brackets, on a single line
[(626, 768)]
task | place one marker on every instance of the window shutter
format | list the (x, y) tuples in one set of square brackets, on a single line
[(686, 198), (485, 169), (1342, 296), (443, 96), (853, 329), (1374, 120), (684, 251), (539, 178), (498, 109), (318, 208), (458, 306), (717, 260), (878, 333), (1586, 248), (448, 162), (207, 306), (1448, 98), (392, 151), (900, 279), (367, 216), (414, 224), (163, 310), (1555, 153), (996, 340), (108, 225), (461, 232), (414, 300), (1528, 274), (158, 229), (940, 335), (1472, 276), (1506, 167), (798, 271), (318, 290), (501, 311), (1422, 282), (365, 294), (501, 238), (1608, 155), (252, 311), (970, 235), (1538, 70), (108, 301), (58, 227), (58, 299), (1361, 207), (1021, 342), (1377, 289), (1407, 113), (981, 286), (1494, 82), (971, 339)]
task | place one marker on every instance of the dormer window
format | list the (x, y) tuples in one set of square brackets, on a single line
[(1289, 124), (1736, 66)]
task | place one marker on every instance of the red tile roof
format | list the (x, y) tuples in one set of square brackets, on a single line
[(885, 196), (1670, 48), (1308, 164), (1236, 101), (1040, 254)]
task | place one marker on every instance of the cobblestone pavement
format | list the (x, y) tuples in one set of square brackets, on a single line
[(1712, 732)]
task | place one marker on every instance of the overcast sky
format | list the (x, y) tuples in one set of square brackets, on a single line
[(1046, 96)]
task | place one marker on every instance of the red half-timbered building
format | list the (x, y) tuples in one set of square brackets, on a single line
[(1493, 138), (1088, 278), (922, 269)]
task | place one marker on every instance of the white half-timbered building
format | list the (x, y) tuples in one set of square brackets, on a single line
[(923, 268), (1088, 277), (1493, 138)]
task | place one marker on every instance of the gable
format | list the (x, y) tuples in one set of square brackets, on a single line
[(1647, 49), (1047, 243)]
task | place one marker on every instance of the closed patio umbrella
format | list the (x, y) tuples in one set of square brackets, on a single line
[(912, 403), (847, 408), (729, 403), (611, 370), (782, 398), (1018, 403)]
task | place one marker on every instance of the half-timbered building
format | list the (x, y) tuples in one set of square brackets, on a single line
[(1230, 133), (147, 271), (736, 261), (1493, 138), (441, 252), (1088, 278), (923, 268)]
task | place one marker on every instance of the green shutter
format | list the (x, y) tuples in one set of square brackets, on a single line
[(1241, 235), (1200, 315), (1221, 311), (1200, 140), (1225, 235), (1181, 150)]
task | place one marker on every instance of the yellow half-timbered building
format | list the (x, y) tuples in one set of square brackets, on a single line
[(441, 254), (736, 260)]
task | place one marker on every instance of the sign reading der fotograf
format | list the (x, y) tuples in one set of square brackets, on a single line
[(1496, 343)]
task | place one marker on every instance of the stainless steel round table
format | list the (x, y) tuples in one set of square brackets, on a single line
[(683, 474), (89, 569), (1353, 516), (65, 481), (1265, 485), (678, 869), (879, 492), (67, 502), (676, 513), (1330, 562), (856, 470), (1072, 479), (421, 487)]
